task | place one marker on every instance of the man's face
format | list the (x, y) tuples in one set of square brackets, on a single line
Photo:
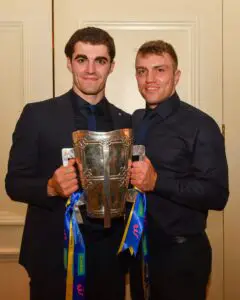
[(156, 77), (90, 66)]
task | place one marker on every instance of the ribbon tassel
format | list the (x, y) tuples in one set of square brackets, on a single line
[(135, 225), (74, 252)]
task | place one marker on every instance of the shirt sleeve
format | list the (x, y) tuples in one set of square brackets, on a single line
[(23, 182), (205, 186)]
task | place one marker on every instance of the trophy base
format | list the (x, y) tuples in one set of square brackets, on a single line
[(98, 215)]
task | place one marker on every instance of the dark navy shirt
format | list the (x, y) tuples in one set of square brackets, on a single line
[(104, 122), (187, 151)]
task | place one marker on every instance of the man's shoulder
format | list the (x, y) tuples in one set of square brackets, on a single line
[(49, 102), (137, 116), (45, 109), (196, 116), (119, 111), (138, 112)]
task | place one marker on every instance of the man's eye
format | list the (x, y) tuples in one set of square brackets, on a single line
[(81, 60), (101, 61), (160, 70), (141, 72)]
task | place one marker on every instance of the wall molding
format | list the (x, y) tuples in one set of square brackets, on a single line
[(9, 255), (18, 27), (10, 219), (174, 24)]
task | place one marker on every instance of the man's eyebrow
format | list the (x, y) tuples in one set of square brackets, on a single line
[(101, 57), (153, 67), (140, 67), (96, 58), (160, 66), (80, 56)]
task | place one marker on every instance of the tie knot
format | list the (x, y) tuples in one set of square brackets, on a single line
[(91, 117), (92, 108), (150, 113)]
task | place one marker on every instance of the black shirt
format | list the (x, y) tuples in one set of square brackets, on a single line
[(104, 121), (187, 151)]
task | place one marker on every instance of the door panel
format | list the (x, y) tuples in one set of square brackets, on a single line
[(26, 76), (26, 62)]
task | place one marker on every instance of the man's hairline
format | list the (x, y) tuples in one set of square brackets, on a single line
[(93, 44), (144, 54)]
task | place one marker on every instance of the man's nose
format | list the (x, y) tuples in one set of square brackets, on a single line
[(150, 76), (91, 67)]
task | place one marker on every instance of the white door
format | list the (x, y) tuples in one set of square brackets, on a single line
[(193, 27), (26, 76)]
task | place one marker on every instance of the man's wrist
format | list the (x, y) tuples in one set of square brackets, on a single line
[(154, 180), (50, 189)]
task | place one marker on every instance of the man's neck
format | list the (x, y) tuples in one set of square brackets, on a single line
[(91, 99)]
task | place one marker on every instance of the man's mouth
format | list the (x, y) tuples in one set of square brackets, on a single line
[(151, 88), (90, 78)]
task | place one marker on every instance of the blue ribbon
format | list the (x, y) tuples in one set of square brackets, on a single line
[(78, 264), (135, 231), (145, 262), (135, 225)]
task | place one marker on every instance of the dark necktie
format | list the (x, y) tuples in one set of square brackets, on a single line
[(92, 126), (143, 127)]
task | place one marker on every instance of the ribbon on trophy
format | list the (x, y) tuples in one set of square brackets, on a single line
[(146, 287), (135, 232), (74, 252), (136, 227), (135, 224)]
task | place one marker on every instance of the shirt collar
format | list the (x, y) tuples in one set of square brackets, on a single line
[(80, 104), (166, 107)]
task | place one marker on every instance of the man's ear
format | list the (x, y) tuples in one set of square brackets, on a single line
[(177, 76), (69, 64), (112, 67)]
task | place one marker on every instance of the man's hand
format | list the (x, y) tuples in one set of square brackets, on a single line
[(64, 181), (143, 175)]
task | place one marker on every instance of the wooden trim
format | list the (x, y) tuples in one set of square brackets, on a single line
[(9, 255)]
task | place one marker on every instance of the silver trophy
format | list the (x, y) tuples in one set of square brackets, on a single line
[(103, 159)]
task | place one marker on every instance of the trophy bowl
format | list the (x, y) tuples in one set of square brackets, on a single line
[(103, 160)]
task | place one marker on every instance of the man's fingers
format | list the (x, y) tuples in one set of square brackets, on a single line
[(68, 187), (137, 164), (62, 178), (147, 160), (70, 167), (68, 192), (69, 172), (71, 162), (137, 170)]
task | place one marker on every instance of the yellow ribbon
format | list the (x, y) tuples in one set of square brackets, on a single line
[(69, 282), (126, 231)]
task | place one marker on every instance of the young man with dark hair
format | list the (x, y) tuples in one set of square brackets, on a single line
[(36, 175)]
